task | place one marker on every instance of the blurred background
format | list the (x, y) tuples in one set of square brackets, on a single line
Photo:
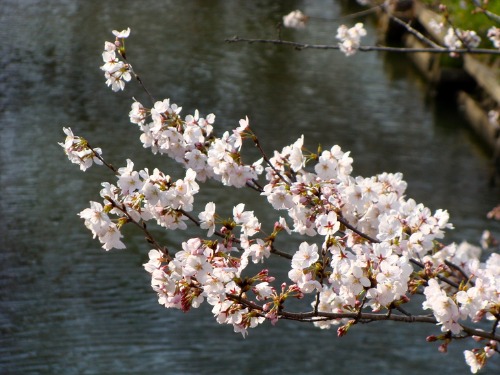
[(67, 307)]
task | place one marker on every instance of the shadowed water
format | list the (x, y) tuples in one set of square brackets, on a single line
[(67, 307)]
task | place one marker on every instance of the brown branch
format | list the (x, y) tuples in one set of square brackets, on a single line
[(280, 253), (361, 317), (254, 185), (480, 333)]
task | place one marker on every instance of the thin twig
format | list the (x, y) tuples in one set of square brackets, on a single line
[(254, 185), (490, 15), (415, 32), (131, 69), (98, 156), (267, 160)]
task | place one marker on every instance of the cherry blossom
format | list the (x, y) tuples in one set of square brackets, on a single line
[(494, 36), (350, 38), (207, 218), (78, 151), (444, 308), (122, 34), (475, 360), (457, 38), (295, 20)]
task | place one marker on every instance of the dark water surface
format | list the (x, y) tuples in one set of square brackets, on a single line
[(67, 307)]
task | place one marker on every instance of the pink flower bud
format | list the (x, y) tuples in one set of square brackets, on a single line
[(443, 348)]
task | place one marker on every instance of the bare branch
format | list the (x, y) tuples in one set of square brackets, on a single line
[(415, 32)]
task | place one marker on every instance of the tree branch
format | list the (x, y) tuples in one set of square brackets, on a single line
[(361, 317), (300, 46)]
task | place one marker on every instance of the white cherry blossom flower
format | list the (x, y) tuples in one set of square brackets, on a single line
[(494, 36), (305, 256), (474, 361), (207, 218), (327, 225), (122, 34), (295, 20)]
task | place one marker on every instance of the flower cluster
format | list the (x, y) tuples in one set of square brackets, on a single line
[(116, 71), (78, 152), (140, 196), (457, 38), (350, 38), (479, 297), (476, 358), (370, 249), (190, 142), (295, 20), (101, 226), (323, 203), (205, 270)]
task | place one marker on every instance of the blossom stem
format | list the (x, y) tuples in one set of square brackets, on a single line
[(139, 80)]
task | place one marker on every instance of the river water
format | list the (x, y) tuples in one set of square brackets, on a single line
[(67, 307)]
